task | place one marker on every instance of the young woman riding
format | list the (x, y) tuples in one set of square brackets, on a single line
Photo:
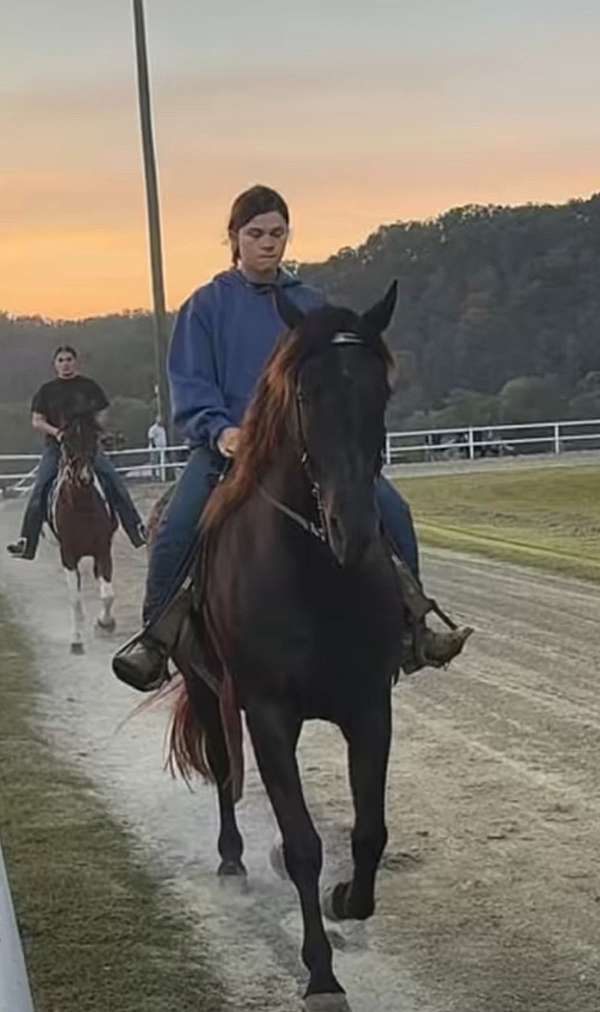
[(223, 336)]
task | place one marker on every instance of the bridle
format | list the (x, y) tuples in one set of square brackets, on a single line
[(77, 467), (319, 529)]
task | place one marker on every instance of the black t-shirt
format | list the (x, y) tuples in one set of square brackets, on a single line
[(60, 399)]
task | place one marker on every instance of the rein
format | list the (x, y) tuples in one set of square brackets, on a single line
[(308, 525)]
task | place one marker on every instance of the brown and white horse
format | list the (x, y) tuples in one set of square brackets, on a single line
[(83, 522)]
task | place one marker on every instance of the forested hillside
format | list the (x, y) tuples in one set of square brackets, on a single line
[(498, 318), (502, 302)]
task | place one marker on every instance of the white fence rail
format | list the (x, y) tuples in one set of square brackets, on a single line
[(472, 442), (142, 464), (469, 442)]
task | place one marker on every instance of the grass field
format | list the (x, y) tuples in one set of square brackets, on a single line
[(549, 518), (99, 934)]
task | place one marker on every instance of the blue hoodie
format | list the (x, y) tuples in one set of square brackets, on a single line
[(222, 339)]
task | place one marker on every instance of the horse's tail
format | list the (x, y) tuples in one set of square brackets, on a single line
[(187, 753)]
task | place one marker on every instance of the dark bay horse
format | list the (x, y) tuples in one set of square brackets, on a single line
[(82, 521), (300, 612)]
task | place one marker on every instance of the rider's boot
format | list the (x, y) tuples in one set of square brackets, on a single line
[(425, 647), (143, 661), (20, 549)]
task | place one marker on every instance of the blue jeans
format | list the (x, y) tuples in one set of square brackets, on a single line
[(398, 523), (178, 532), (113, 485)]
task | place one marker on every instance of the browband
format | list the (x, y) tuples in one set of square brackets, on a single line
[(346, 337)]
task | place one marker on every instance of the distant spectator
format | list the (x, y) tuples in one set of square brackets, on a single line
[(157, 442)]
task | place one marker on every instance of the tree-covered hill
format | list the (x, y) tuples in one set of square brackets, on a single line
[(498, 318)]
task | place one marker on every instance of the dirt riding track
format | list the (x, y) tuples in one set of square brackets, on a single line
[(489, 895)]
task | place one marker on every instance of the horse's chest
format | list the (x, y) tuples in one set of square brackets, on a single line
[(318, 656)]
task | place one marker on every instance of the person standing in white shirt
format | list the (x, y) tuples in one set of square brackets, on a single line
[(157, 442)]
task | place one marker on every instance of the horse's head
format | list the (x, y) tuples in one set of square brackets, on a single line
[(341, 392), (79, 443)]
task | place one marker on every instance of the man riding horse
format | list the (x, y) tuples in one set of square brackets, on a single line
[(53, 406), (223, 337)]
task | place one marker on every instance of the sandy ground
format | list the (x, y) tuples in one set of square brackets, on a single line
[(489, 894)]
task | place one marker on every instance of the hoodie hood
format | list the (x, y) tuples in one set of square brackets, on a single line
[(235, 278)]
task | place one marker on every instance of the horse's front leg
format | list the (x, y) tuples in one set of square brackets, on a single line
[(274, 729), (368, 734), (73, 578), (105, 621)]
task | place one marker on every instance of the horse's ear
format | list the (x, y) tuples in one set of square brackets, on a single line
[(377, 319), (288, 310)]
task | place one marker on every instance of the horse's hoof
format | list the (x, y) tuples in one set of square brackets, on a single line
[(233, 874), (327, 1003), (77, 648), (106, 627), (278, 861), (335, 905)]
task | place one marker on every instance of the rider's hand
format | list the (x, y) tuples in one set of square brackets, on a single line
[(227, 443), (58, 435)]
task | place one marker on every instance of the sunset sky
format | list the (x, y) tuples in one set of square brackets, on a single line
[(360, 113)]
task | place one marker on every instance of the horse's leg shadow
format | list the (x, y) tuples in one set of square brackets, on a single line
[(368, 736), (73, 577)]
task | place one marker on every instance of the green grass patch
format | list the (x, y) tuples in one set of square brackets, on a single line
[(100, 934), (548, 518)]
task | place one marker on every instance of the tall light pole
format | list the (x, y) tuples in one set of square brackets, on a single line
[(158, 284)]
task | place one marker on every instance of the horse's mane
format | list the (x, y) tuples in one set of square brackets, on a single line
[(264, 427), (82, 422), (81, 432), (262, 431)]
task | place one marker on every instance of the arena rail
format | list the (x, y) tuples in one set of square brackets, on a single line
[(464, 441), (474, 441), (140, 464)]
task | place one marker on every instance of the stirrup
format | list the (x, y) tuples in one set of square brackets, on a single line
[(158, 639), (418, 652), (416, 601)]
